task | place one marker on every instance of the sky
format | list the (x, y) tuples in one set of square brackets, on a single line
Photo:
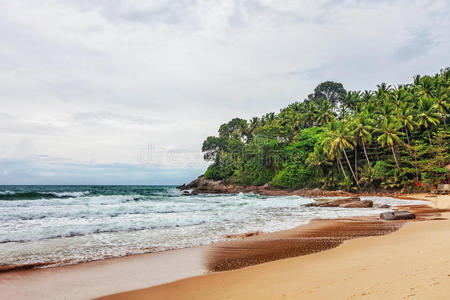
[(125, 92)]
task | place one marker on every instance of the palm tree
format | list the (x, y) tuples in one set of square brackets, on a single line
[(427, 115), (324, 114), (399, 96), (406, 118), (309, 114), (361, 131), (318, 159), (389, 129), (338, 141), (366, 96), (351, 99), (425, 87), (441, 103), (385, 110), (382, 91), (367, 174)]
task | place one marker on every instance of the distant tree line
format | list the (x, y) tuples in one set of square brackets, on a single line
[(393, 137)]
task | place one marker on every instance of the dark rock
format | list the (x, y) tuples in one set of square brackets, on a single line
[(358, 204), (382, 206), (333, 203), (397, 215)]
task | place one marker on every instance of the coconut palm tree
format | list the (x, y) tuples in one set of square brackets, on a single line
[(399, 96), (309, 114), (425, 87), (339, 141), (324, 114), (389, 130), (405, 115), (441, 103), (362, 131), (427, 115)]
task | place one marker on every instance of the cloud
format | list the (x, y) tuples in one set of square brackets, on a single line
[(48, 170), (101, 80)]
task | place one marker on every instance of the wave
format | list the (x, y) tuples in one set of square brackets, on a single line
[(89, 231), (9, 195)]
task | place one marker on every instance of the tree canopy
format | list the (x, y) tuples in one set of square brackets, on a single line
[(392, 137)]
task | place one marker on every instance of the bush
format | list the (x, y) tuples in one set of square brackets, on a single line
[(291, 177)]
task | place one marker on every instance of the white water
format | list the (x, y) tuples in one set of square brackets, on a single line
[(83, 225)]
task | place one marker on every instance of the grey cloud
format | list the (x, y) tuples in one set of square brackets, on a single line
[(419, 43), (11, 124), (45, 170), (100, 80), (100, 117)]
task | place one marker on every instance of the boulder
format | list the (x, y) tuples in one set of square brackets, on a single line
[(382, 206), (324, 202), (358, 204), (397, 215)]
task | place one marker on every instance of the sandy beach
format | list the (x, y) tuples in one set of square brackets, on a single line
[(344, 257), (412, 262)]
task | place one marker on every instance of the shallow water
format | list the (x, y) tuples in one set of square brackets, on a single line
[(52, 225)]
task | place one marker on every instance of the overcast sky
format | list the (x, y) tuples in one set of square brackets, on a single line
[(124, 92)]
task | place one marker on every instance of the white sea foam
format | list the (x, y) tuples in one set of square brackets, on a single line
[(86, 227)]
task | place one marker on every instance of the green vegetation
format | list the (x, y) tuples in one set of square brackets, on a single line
[(336, 139)]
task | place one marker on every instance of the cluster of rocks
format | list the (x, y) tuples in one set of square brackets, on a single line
[(356, 202), (350, 202), (202, 185)]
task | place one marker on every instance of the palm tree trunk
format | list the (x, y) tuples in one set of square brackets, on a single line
[(429, 136), (395, 157), (365, 152), (342, 168), (356, 162), (351, 169), (337, 163)]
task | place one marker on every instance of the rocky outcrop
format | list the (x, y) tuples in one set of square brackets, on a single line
[(202, 185), (358, 204), (397, 215), (350, 202)]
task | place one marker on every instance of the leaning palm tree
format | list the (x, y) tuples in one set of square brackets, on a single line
[(329, 134), (427, 115), (389, 130), (339, 142), (362, 132)]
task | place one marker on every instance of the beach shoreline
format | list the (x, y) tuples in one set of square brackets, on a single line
[(411, 262), (202, 260)]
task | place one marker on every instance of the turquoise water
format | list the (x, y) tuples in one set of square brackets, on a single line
[(52, 225)]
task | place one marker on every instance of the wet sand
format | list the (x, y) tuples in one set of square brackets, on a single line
[(94, 279), (319, 235), (411, 262)]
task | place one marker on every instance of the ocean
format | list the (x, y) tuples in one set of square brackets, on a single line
[(58, 225)]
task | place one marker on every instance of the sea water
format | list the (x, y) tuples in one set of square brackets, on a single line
[(54, 225)]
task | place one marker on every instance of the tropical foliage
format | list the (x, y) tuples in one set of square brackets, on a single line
[(393, 137)]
